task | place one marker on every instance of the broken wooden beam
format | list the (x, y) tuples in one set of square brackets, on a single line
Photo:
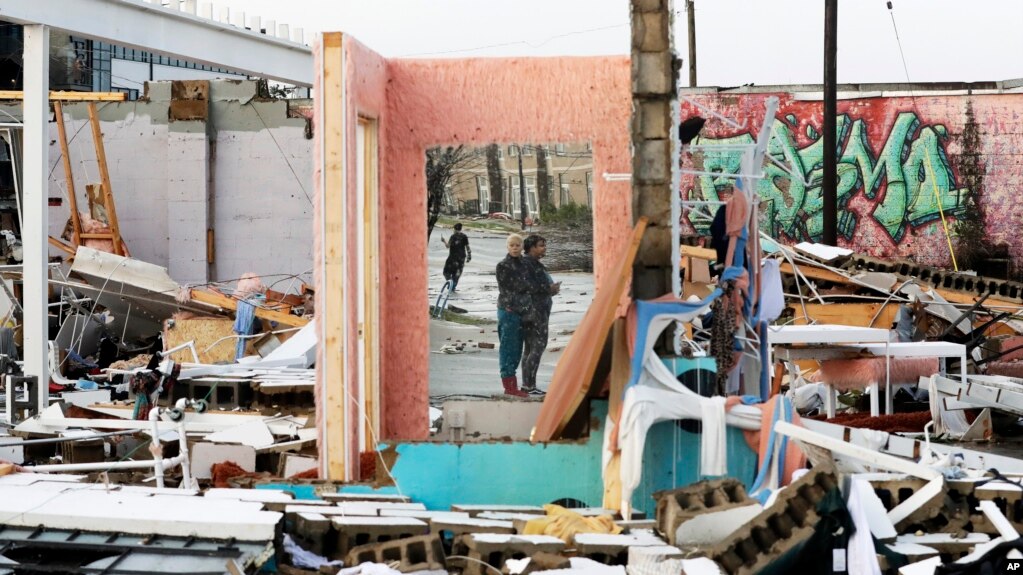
[(61, 95), (229, 303)]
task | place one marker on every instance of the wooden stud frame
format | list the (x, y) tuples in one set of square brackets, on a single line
[(333, 401)]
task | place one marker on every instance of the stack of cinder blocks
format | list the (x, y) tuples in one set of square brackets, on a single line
[(654, 155), (783, 526)]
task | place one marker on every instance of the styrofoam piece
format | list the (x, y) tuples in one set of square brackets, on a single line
[(507, 538), (301, 347), (425, 515), (342, 496), (374, 507), (100, 510), (713, 527), (349, 520), (204, 455), (701, 566), (25, 478), (925, 567), (261, 495), (980, 550), (881, 526), (639, 540), (873, 458), (476, 522), (295, 464), (86, 398), (944, 538), (12, 453), (998, 519), (505, 516), (913, 550), (923, 496), (822, 252), (471, 508)]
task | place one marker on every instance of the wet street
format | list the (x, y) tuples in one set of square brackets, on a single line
[(474, 371)]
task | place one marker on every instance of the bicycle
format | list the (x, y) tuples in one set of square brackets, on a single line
[(442, 300)]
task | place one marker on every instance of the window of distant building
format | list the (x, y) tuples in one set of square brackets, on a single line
[(559, 149), (483, 191)]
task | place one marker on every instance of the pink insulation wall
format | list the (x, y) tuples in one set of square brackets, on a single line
[(477, 102), (903, 163)]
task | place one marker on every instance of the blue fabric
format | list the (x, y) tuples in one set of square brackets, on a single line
[(509, 332), (244, 320), (645, 313), (783, 410)]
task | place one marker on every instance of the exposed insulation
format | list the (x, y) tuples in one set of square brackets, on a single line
[(206, 332)]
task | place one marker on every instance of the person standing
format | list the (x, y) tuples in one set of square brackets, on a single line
[(536, 324), (513, 302), (458, 254)]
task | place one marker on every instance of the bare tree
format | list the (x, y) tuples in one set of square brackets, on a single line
[(543, 186), (441, 165), (496, 179)]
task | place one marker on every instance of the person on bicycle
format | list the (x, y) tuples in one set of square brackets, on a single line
[(458, 254)]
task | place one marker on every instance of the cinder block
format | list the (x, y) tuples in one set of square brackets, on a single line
[(494, 550), (546, 562), (313, 531), (655, 248), (677, 506), (647, 5), (654, 202), (652, 74), (640, 556), (786, 524), (651, 162), (653, 120), (423, 553), (650, 31), (355, 531)]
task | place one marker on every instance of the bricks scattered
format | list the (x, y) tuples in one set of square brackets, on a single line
[(355, 531), (494, 550)]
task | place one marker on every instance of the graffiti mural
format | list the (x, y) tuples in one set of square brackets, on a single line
[(905, 179)]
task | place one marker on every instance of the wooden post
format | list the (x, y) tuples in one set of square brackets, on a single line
[(691, 17), (334, 402), (76, 223), (104, 174), (829, 187)]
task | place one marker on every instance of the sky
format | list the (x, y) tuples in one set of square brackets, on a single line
[(762, 42)]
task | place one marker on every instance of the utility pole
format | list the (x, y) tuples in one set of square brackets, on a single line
[(523, 205), (691, 16), (829, 188)]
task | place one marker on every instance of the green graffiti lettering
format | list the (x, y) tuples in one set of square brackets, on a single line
[(910, 180)]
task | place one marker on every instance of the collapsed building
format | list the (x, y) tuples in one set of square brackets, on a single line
[(614, 440)]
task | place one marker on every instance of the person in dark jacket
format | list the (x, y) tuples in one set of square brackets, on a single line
[(536, 323), (514, 301), (458, 254)]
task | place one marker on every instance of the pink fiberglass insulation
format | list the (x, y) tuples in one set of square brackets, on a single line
[(418, 104)]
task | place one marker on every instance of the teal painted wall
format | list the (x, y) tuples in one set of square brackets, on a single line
[(519, 473)]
